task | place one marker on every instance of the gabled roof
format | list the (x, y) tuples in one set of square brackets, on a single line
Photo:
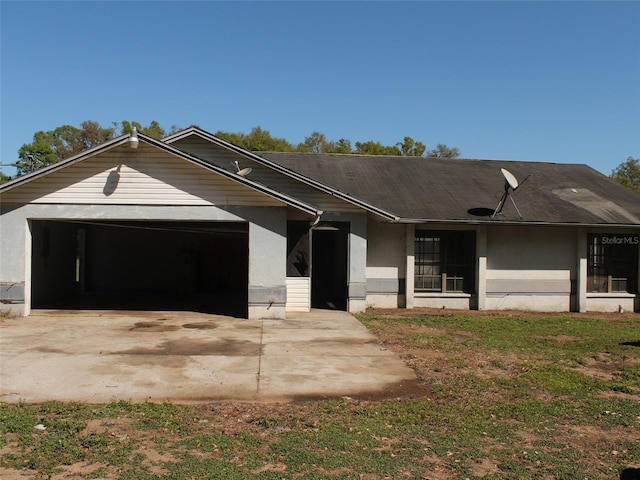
[(122, 140), (417, 189), (282, 169)]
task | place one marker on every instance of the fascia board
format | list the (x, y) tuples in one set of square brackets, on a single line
[(512, 223), (41, 172)]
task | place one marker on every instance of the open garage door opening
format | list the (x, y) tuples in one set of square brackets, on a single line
[(140, 265)]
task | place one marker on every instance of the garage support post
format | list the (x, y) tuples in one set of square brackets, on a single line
[(267, 293)]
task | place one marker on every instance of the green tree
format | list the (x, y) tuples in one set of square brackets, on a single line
[(36, 154), (153, 130), (376, 148), (66, 141), (342, 146), (315, 143), (628, 174), (4, 178), (126, 126), (63, 142), (257, 140), (442, 151), (410, 148)]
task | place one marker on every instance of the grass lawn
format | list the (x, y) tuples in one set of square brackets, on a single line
[(503, 396)]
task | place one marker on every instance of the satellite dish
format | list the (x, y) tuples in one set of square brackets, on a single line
[(244, 172), (510, 183), (510, 178)]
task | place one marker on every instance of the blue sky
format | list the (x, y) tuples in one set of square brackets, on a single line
[(544, 81)]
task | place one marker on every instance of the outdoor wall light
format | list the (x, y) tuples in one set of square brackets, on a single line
[(133, 138)]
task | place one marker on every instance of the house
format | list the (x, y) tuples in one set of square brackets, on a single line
[(193, 222)]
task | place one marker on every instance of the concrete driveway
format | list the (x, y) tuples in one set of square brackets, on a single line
[(100, 356)]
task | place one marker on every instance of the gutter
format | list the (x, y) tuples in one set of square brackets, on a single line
[(516, 223)]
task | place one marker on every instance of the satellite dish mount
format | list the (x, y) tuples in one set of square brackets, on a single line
[(510, 184), (242, 172)]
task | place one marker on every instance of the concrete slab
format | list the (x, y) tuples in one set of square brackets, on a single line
[(100, 356)]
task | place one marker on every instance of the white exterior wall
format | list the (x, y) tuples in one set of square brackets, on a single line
[(538, 268), (530, 268), (386, 265), (409, 284), (268, 264), (356, 258), (481, 267), (611, 302), (15, 260)]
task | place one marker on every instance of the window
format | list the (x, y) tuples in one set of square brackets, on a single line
[(613, 263), (444, 261)]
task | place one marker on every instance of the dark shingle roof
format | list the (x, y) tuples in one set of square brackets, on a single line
[(416, 188)]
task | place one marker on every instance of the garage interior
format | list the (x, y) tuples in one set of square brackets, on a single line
[(140, 265)]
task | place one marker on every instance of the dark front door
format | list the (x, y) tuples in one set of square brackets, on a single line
[(329, 267)]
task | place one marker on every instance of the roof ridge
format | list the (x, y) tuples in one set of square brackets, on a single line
[(412, 157)]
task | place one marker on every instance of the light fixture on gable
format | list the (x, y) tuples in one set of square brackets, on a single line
[(133, 138)]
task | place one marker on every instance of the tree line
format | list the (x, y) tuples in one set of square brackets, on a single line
[(628, 174), (66, 141)]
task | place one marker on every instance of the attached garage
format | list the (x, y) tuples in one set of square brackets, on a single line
[(149, 265), (144, 226)]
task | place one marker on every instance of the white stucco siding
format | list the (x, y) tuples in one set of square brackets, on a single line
[(148, 177), (386, 256), (386, 264), (530, 268), (357, 259), (267, 263), (611, 302), (15, 265), (444, 300), (15, 236)]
